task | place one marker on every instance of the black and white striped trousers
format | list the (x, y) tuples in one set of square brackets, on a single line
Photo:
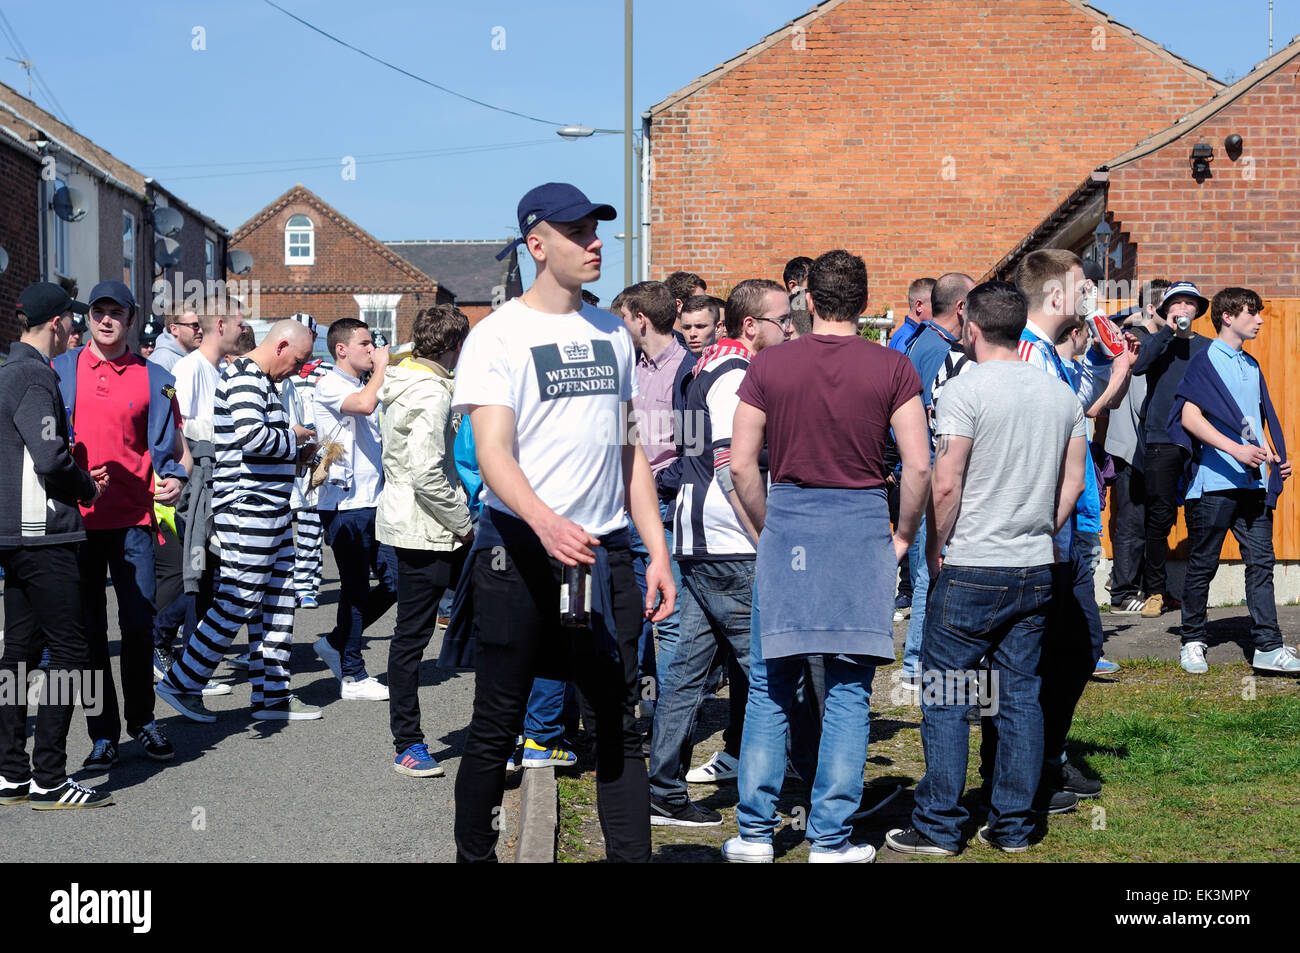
[(253, 588), (307, 560)]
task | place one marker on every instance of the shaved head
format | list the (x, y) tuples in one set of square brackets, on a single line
[(287, 329)]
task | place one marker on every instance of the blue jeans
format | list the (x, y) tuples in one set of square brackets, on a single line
[(551, 705), (920, 592), (665, 633), (979, 612), (351, 534), (837, 787), (127, 555), (716, 604)]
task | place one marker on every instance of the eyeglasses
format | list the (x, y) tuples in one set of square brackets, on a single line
[(786, 324), (192, 325)]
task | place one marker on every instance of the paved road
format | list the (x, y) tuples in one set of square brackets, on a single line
[(240, 790)]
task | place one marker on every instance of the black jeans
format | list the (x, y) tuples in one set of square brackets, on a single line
[(42, 609), (1128, 536), (1163, 468), (1208, 520), (518, 637), (423, 575), (171, 599)]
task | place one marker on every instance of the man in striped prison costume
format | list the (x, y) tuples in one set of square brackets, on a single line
[(256, 454)]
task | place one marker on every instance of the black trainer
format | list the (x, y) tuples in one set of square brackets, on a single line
[(13, 792), (162, 661), (690, 814), (1054, 802), (102, 756), (66, 797), (908, 840), (1071, 779), (154, 742)]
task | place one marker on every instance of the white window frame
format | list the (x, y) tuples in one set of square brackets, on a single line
[(291, 231), (59, 234), (210, 258), (379, 313), (128, 251)]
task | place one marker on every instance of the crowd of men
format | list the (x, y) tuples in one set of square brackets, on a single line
[(610, 497)]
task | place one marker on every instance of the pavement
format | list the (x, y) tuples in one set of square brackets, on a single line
[(240, 790)]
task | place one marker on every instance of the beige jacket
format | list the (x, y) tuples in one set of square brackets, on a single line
[(423, 504)]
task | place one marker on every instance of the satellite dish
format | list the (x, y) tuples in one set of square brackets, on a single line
[(69, 204), (166, 251), (239, 262), (4, 260), (167, 222)]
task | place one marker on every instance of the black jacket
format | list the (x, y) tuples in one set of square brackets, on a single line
[(40, 484)]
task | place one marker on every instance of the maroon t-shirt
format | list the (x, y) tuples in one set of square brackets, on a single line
[(828, 401)]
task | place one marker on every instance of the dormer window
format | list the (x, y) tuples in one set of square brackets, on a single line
[(299, 241)]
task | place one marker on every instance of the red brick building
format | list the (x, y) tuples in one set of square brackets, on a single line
[(1237, 225), (307, 256), (925, 135)]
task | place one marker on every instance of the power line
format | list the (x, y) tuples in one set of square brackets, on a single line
[(419, 79), (415, 154), (335, 163)]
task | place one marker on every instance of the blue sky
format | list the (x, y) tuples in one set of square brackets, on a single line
[(269, 103)]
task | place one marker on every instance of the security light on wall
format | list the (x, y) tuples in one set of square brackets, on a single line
[(69, 204), (1202, 156), (1233, 145)]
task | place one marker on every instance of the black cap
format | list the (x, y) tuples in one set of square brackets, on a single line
[(43, 300), (554, 202)]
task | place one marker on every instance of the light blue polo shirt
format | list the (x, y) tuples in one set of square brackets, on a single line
[(1218, 471)]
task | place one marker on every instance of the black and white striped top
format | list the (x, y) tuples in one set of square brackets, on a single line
[(255, 445)]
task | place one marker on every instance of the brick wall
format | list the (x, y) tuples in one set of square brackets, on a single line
[(926, 136), (19, 234), (346, 264), (1240, 227)]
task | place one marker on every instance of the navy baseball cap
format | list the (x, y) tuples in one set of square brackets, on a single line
[(1187, 290), (115, 291), (44, 300), (554, 202)]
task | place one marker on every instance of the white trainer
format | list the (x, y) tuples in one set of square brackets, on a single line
[(1192, 658), (847, 854), (1282, 659), (737, 850), (366, 690), (720, 767)]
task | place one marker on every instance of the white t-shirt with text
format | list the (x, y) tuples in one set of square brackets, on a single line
[(565, 376)]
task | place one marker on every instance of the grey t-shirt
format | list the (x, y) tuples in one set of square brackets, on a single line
[(1020, 421)]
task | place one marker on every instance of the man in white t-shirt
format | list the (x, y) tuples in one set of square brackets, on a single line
[(347, 411), (547, 381), (196, 373)]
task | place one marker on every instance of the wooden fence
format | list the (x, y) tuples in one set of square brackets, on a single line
[(1277, 349)]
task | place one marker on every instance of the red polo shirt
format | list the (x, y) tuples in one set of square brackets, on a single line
[(111, 421)]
